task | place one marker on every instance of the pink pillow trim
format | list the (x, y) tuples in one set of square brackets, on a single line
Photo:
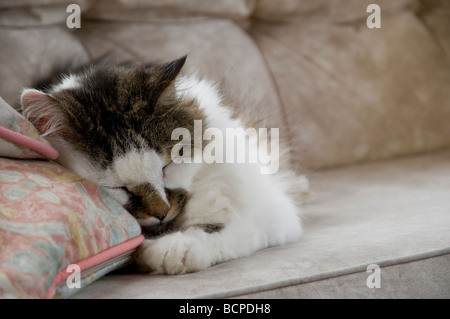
[(96, 260), (29, 142)]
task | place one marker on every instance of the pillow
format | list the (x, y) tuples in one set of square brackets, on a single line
[(19, 138), (58, 232)]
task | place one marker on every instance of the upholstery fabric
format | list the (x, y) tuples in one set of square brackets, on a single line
[(359, 93), (336, 11), (49, 219)]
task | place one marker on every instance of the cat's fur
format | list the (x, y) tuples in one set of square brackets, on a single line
[(112, 124)]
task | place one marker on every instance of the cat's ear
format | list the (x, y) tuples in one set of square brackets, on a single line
[(163, 76), (43, 111)]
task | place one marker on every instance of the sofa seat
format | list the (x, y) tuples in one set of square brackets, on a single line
[(394, 213)]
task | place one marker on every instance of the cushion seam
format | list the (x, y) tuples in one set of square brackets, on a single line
[(329, 275)]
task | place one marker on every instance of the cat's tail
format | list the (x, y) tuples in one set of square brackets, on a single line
[(296, 183), (299, 188), (296, 186)]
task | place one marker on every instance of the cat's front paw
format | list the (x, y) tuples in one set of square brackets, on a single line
[(172, 254)]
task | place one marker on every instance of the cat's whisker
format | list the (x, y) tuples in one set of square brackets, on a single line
[(197, 184)]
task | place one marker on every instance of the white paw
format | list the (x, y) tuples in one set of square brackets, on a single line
[(172, 254)]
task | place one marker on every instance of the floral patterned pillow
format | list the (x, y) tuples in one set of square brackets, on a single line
[(58, 232)]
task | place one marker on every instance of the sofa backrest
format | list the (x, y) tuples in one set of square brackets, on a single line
[(339, 91)]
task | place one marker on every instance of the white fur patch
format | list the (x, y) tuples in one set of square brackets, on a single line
[(81, 165), (209, 100), (70, 81), (118, 194), (140, 167), (180, 175), (149, 222)]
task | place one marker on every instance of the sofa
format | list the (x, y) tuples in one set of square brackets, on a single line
[(363, 107)]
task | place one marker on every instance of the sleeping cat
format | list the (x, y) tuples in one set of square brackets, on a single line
[(112, 124)]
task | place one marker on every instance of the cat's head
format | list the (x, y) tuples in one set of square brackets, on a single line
[(112, 125)]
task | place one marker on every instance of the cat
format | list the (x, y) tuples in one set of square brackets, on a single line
[(112, 124)]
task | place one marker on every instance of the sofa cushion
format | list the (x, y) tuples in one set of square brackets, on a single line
[(394, 214), (53, 223), (336, 11), (30, 55), (355, 94), (164, 10), (46, 12), (22, 13)]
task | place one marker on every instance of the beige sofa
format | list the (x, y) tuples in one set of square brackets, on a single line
[(364, 111)]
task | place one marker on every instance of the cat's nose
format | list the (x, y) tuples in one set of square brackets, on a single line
[(149, 202), (162, 213)]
